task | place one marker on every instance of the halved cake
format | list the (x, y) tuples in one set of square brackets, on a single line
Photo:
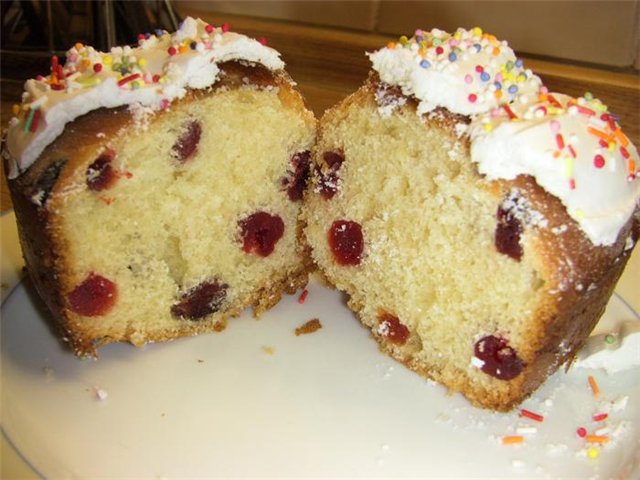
[(477, 222), (157, 188)]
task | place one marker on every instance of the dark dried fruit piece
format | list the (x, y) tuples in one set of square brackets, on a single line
[(500, 360), (95, 296), (201, 300), (297, 180), (187, 144), (45, 183), (327, 182), (346, 242), (507, 235), (260, 232), (100, 174), (391, 328)]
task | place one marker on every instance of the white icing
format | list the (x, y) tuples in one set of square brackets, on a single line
[(622, 354), (85, 90), (442, 70), (520, 208), (601, 200)]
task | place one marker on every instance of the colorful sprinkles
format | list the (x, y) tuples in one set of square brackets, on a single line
[(531, 415), (500, 78), (595, 438), (86, 67), (303, 296), (564, 145)]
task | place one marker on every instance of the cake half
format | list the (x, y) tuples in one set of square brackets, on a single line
[(477, 222), (157, 188)]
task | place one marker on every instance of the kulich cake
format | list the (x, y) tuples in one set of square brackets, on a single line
[(157, 189), (477, 222)]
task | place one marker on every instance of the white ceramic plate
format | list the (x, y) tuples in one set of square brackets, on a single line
[(257, 401)]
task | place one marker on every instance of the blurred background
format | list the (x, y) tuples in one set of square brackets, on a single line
[(602, 32), (598, 32)]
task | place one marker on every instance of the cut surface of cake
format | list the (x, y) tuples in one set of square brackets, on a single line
[(157, 189), (477, 222)]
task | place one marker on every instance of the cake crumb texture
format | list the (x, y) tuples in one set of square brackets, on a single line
[(170, 226), (448, 269)]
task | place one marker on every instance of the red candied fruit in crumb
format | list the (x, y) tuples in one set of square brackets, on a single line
[(499, 359), (346, 242), (200, 301), (100, 174), (392, 329), (507, 235), (298, 177), (94, 297), (260, 232), (327, 182), (187, 144)]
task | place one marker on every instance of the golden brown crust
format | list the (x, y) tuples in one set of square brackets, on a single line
[(37, 195)]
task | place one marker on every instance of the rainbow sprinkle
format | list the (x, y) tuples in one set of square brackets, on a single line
[(512, 439), (533, 416), (86, 67), (594, 385), (501, 80)]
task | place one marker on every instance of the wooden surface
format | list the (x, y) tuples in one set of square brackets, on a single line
[(328, 64)]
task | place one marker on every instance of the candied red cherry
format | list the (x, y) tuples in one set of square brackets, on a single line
[(391, 328), (201, 300), (260, 232), (94, 297), (327, 182), (333, 159), (298, 178), (187, 144), (500, 360), (100, 174), (507, 235), (346, 242)]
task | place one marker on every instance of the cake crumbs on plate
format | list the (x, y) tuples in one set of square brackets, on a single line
[(100, 393), (308, 327), (268, 349)]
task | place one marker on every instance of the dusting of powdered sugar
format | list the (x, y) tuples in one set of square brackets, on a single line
[(387, 101), (460, 129), (383, 328), (521, 209)]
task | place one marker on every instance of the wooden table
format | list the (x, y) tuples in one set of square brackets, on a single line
[(328, 64)]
